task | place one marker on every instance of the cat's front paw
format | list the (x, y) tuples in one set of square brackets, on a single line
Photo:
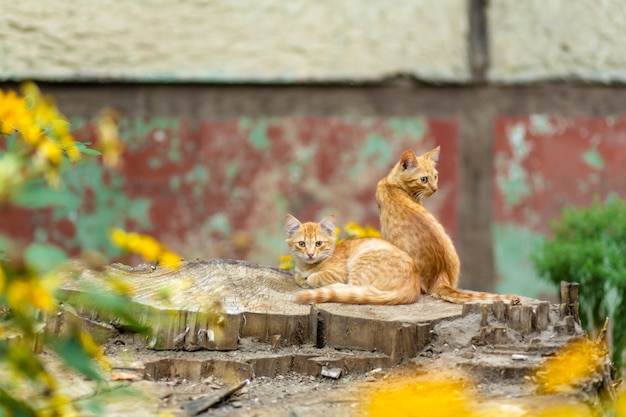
[(301, 281)]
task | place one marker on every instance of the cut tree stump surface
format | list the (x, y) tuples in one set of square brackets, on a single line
[(233, 320), (257, 301)]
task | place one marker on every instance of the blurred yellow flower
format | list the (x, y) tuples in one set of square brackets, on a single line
[(570, 366), (49, 151), (146, 246), (120, 286), (13, 112), (354, 230), (170, 260), (418, 397), (92, 349), (109, 142), (29, 292), (620, 404), (286, 262)]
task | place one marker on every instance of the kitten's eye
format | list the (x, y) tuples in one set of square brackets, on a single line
[(424, 180), (436, 177), (301, 244), (318, 244)]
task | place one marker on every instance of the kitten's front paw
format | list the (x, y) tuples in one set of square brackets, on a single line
[(301, 281)]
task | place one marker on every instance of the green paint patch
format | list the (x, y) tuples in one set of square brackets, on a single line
[(540, 124), (402, 127), (512, 179), (258, 136), (513, 246), (155, 162), (231, 170), (376, 147), (174, 183), (174, 154), (135, 132), (199, 175), (219, 223), (513, 184), (593, 158)]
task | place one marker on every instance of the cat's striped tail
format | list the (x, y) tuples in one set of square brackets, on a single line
[(357, 294), (453, 295)]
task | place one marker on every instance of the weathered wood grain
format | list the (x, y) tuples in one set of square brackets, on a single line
[(211, 305)]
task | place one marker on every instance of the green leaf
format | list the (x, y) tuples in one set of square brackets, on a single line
[(72, 353), (36, 194), (43, 258), (15, 407), (89, 151), (82, 148)]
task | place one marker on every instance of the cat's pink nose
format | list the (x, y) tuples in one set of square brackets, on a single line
[(434, 188), (310, 255)]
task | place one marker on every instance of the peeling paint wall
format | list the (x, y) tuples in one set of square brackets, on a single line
[(542, 165), (222, 188)]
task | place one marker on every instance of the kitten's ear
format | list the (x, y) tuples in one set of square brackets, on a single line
[(328, 225), (432, 155), (292, 225), (408, 159)]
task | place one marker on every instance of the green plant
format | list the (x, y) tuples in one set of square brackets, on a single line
[(43, 167), (588, 246)]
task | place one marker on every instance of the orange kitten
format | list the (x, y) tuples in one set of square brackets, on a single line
[(407, 224), (355, 271)]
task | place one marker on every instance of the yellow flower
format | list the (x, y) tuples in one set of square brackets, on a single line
[(13, 112), (92, 349), (41, 298), (3, 280), (286, 262), (50, 151), (120, 286), (371, 232), (432, 397), (109, 142), (353, 230), (60, 405), (146, 246), (30, 132), (17, 294), (570, 366), (170, 260), (620, 404), (119, 238), (31, 292)]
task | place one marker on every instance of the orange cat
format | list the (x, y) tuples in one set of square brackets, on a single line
[(355, 271), (407, 224)]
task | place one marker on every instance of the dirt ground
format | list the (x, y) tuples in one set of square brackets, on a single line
[(496, 383)]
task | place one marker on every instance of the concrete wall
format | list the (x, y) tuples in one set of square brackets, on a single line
[(302, 41), (240, 41), (534, 40)]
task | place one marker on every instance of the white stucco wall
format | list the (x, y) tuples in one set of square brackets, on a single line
[(533, 40), (233, 41)]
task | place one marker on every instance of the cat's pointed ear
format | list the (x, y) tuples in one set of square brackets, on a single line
[(408, 159), (328, 225), (292, 225), (432, 155)]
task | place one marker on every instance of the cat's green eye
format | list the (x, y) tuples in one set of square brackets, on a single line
[(318, 244), (424, 180), (301, 244)]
